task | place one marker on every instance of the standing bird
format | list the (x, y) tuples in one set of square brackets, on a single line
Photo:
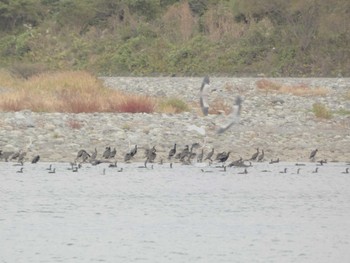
[(255, 155), (83, 155), (172, 152), (209, 155), (261, 156), (107, 152), (112, 154), (185, 152), (203, 99), (222, 157), (133, 151), (200, 156), (313, 154), (233, 118), (36, 159), (94, 155), (151, 155)]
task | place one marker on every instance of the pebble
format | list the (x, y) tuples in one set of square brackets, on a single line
[(282, 124)]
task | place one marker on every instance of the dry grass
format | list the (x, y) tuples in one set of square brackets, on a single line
[(172, 105), (321, 111), (297, 90), (73, 92)]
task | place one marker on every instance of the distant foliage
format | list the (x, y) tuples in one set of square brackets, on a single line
[(183, 37)]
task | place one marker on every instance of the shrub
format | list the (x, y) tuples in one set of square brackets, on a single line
[(321, 111), (173, 105)]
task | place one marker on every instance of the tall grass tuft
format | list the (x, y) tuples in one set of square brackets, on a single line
[(321, 111), (137, 104), (173, 105)]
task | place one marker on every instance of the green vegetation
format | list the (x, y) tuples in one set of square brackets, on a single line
[(173, 105), (321, 111), (182, 37)]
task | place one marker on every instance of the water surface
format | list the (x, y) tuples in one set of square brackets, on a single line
[(183, 214)]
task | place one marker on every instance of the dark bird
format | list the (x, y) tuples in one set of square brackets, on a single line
[(185, 152), (209, 155), (113, 165), (107, 152), (321, 162), (313, 154), (15, 155), (346, 171), (261, 156), (36, 159), (151, 155), (133, 151), (233, 118), (112, 153), (49, 168), (298, 171), (275, 161), (200, 156), (203, 96), (20, 170), (255, 155), (52, 171), (172, 152), (284, 171), (236, 162), (83, 155), (21, 156), (223, 157), (94, 155), (315, 171), (127, 157)]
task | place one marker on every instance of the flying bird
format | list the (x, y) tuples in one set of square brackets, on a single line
[(203, 100), (233, 118)]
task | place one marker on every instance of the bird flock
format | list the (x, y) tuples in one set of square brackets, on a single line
[(190, 154)]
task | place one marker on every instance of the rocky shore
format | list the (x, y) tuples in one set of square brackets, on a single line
[(281, 124)]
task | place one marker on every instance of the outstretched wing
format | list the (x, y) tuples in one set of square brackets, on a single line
[(203, 100), (233, 118)]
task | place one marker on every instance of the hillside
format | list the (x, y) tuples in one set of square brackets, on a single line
[(172, 37)]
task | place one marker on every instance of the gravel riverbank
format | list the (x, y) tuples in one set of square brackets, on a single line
[(281, 124)]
